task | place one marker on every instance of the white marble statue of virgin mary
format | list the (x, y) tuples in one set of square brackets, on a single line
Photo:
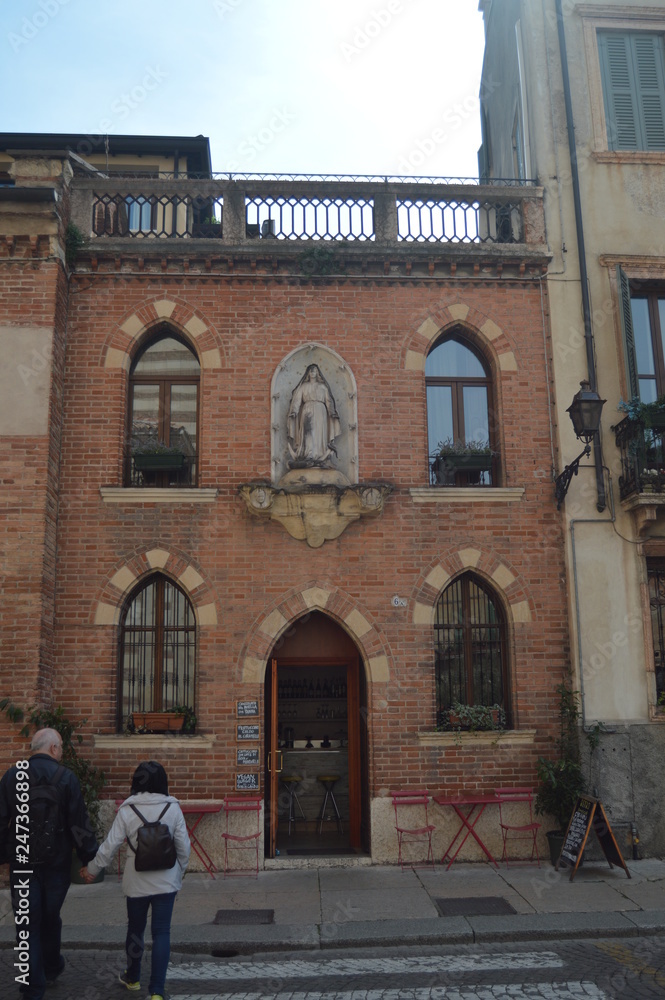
[(312, 423)]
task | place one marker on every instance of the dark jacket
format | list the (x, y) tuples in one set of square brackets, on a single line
[(78, 833)]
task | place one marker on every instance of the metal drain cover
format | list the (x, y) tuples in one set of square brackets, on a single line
[(244, 917), (474, 906)]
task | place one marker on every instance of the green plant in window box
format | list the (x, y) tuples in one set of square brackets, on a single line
[(179, 719), (455, 454), (189, 725), (158, 456), (473, 718)]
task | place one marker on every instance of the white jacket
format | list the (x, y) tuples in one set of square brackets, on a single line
[(126, 823)]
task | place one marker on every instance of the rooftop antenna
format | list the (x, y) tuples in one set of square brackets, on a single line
[(106, 147)]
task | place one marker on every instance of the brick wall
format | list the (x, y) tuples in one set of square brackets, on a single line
[(33, 296), (250, 567)]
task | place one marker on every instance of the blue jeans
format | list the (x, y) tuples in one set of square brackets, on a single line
[(46, 890), (160, 926)]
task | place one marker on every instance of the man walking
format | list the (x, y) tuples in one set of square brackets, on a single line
[(42, 820)]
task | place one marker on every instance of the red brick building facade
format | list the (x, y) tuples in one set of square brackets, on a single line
[(340, 577)]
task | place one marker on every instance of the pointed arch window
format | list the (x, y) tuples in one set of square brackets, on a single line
[(157, 650), (469, 644), (163, 420), (459, 403)]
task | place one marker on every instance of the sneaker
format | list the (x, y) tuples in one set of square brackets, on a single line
[(156, 996), (127, 983)]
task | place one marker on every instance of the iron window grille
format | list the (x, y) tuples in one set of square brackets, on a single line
[(469, 646), (157, 650)]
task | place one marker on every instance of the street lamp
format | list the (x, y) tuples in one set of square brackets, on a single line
[(584, 411)]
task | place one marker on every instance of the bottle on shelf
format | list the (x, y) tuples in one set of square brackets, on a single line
[(318, 688), (310, 692)]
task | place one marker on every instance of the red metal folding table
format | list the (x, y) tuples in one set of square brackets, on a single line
[(194, 813), (469, 809)]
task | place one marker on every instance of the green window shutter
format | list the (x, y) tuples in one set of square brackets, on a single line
[(627, 334), (650, 74), (633, 73), (618, 90)]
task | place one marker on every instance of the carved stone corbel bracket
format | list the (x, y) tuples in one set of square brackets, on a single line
[(315, 513)]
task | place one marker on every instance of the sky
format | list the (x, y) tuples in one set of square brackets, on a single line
[(299, 86)]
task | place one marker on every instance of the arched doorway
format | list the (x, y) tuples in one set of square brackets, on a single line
[(316, 727)]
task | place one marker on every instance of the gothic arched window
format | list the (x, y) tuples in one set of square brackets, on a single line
[(469, 644), (157, 650), (163, 414), (459, 403)]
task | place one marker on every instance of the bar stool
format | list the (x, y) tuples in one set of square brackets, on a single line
[(291, 782), (329, 781)]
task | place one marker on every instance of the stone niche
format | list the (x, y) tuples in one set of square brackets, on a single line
[(340, 468), (314, 492)]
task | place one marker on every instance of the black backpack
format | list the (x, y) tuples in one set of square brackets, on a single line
[(46, 824), (155, 847)]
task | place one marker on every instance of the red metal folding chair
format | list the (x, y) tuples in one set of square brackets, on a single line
[(405, 802), (526, 832), (247, 841)]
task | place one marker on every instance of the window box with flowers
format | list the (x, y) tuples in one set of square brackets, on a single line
[(472, 718), (158, 457), (178, 719), (452, 457)]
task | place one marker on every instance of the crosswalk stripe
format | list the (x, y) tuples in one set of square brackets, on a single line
[(530, 991), (299, 969)]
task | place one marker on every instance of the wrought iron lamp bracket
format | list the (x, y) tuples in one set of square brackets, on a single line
[(562, 481)]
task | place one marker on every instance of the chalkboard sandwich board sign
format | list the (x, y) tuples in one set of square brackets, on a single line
[(587, 814)]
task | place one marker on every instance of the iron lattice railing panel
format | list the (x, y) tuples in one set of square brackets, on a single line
[(458, 221), (152, 215), (642, 452), (237, 212), (310, 218)]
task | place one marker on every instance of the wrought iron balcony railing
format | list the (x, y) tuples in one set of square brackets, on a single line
[(642, 451), (243, 210)]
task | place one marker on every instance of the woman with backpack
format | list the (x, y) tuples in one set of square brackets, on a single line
[(152, 823)]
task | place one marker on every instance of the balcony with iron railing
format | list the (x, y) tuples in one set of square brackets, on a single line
[(642, 450), (250, 209)]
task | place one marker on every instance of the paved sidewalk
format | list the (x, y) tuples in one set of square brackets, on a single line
[(345, 907)]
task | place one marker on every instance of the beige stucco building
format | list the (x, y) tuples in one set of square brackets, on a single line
[(590, 77)]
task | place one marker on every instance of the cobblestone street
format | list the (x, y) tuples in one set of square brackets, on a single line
[(632, 969)]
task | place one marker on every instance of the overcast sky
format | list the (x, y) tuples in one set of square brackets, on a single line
[(317, 86)]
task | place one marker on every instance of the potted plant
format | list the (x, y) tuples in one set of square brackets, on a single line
[(652, 415), (209, 226), (158, 457), (561, 778), (452, 456)]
